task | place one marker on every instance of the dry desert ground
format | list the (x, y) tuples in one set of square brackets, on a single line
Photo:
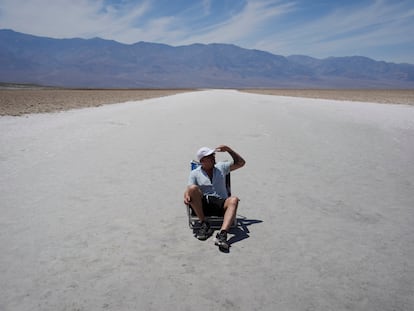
[(374, 96), (17, 102), (92, 213)]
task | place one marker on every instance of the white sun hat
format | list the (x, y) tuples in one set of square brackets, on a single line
[(203, 152)]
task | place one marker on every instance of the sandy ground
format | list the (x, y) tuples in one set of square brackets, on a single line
[(17, 102), (405, 97), (92, 215)]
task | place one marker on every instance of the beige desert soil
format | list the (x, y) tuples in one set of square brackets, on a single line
[(17, 102), (405, 97)]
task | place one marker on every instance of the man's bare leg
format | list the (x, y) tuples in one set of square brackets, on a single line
[(196, 201), (230, 212)]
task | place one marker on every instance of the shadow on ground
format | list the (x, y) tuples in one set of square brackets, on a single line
[(242, 231)]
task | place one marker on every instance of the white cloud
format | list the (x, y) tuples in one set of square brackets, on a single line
[(346, 31), (45, 17), (63, 19), (260, 24), (244, 24)]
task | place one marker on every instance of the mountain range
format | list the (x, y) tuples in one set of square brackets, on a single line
[(99, 63)]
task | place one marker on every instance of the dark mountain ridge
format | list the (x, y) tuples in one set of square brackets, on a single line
[(109, 64)]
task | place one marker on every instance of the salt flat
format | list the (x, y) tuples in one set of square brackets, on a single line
[(92, 215)]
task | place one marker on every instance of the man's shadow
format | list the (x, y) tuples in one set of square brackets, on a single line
[(241, 231)]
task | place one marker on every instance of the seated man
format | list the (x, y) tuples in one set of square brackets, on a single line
[(207, 193)]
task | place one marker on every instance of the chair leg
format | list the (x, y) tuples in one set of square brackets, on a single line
[(190, 223)]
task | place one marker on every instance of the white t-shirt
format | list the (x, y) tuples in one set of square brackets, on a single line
[(216, 186)]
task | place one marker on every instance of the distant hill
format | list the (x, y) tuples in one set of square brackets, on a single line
[(98, 63)]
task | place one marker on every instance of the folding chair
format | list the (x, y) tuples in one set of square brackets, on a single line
[(215, 221)]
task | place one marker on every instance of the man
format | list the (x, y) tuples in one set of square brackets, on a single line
[(207, 193)]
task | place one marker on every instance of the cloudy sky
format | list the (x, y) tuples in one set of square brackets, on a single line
[(380, 29)]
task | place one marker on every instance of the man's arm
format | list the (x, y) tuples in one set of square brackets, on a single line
[(238, 161)]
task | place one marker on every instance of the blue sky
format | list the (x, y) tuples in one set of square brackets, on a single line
[(380, 29)]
